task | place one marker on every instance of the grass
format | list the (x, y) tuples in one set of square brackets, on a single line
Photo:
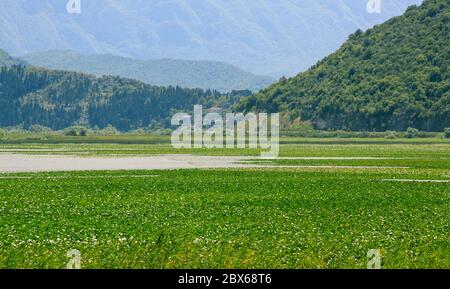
[(126, 145), (124, 139), (260, 218), (418, 162)]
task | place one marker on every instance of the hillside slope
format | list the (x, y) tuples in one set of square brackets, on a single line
[(58, 99), (191, 74), (391, 77)]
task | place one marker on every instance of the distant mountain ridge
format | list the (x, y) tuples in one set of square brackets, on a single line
[(264, 37), (185, 73), (7, 60), (391, 77)]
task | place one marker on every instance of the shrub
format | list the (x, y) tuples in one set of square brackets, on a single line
[(76, 131), (83, 132), (108, 130), (447, 132), (70, 132), (39, 128), (137, 131), (391, 135), (15, 130), (3, 133), (411, 132)]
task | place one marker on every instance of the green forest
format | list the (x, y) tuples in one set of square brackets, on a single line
[(391, 77), (58, 99)]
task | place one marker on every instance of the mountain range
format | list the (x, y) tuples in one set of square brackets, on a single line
[(164, 72), (264, 37)]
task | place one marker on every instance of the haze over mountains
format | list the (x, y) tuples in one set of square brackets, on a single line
[(261, 36), (185, 73)]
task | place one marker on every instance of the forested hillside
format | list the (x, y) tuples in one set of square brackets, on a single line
[(59, 99), (391, 77)]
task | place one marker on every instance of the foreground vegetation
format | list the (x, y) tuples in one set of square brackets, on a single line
[(223, 219), (261, 218)]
